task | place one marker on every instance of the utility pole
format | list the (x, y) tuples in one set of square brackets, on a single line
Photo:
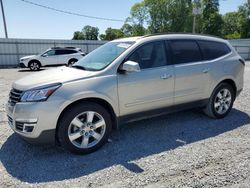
[(194, 23), (196, 11), (4, 22)]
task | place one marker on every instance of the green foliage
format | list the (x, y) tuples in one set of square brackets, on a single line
[(244, 12), (111, 34), (87, 33), (78, 35), (159, 16), (211, 19), (231, 25), (169, 15), (90, 33)]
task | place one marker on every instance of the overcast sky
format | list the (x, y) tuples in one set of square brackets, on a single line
[(28, 21)]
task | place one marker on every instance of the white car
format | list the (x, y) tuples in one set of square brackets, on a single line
[(52, 57)]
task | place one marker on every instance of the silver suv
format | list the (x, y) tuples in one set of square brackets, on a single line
[(122, 81)]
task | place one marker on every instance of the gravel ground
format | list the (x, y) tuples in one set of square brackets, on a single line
[(184, 149)]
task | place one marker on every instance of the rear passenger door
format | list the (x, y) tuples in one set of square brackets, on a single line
[(63, 56), (192, 78)]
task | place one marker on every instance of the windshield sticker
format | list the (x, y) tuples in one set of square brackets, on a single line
[(124, 45)]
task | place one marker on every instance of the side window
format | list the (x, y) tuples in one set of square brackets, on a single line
[(65, 52), (212, 50), (185, 51), (150, 55), (50, 53), (61, 52)]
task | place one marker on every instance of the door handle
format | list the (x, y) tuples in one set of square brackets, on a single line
[(206, 70), (166, 76)]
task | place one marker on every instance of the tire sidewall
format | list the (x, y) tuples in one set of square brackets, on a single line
[(217, 89), (35, 63), (70, 114), (72, 62)]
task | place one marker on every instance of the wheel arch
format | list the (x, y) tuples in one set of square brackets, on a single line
[(34, 60), (96, 100), (71, 59), (231, 82)]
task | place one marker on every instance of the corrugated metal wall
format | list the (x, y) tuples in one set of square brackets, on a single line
[(242, 46), (11, 50)]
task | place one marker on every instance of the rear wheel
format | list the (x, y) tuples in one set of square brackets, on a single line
[(72, 62), (34, 65), (221, 101), (84, 128)]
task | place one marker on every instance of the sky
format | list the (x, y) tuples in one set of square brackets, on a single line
[(29, 21)]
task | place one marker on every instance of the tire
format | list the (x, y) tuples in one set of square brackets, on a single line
[(220, 102), (72, 62), (34, 65), (79, 135)]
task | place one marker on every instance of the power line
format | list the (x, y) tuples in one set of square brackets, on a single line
[(72, 13)]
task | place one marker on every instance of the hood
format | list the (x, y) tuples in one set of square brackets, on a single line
[(51, 76), (28, 57)]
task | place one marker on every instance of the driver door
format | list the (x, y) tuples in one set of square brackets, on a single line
[(152, 87), (49, 58)]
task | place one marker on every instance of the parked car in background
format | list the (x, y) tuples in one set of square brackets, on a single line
[(52, 57), (122, 81)]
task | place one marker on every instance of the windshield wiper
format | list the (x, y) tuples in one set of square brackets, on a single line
[(79, 67)]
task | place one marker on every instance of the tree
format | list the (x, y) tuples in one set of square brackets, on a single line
[(211, 19), (111, 34), (231, 26), (138, 17), (78, 35), (244, 12), (127, 29), (90, 33), (169, 15)]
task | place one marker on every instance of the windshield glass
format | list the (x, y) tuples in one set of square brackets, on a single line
[(103, 56)]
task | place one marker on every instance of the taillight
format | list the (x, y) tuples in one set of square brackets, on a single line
[(242, 62)]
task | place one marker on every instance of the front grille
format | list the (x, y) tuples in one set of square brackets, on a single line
[(14, 96), (19, 126)]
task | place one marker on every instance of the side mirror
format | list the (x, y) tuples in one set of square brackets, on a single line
[(131, 66), (44, 55)]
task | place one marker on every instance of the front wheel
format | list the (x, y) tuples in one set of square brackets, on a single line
[(221, 101), (34, 65), (84, 128)]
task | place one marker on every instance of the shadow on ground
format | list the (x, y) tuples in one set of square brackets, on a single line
[(136, 140), (28, 70)]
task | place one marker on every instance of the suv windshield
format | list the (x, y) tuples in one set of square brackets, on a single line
[(103, 56)]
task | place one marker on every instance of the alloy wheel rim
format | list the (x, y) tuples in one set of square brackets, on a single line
[(34, 66), (86, 129), (222, 101)]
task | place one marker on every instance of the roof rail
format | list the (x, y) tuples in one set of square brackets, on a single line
[(172, 33), (69, 47)]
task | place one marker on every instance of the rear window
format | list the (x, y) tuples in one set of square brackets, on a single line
[(185, 51), (212, 50)]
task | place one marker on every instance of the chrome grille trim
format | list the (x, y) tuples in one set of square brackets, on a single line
[(14, 96)]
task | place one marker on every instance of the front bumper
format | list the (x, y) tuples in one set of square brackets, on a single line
[(35, 122), (22, 65)]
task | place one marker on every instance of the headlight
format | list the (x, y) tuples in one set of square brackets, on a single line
[(41, 94)]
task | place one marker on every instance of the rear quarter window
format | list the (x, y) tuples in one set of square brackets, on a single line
[(212, 50)]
